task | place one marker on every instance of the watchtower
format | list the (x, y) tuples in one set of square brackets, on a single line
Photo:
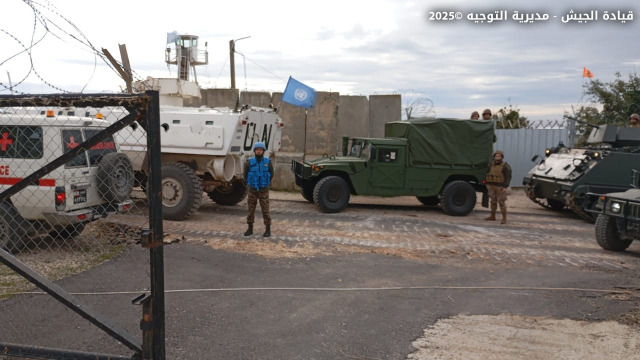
[(182, 50)]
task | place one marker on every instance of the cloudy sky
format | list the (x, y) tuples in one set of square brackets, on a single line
[(352, 47)]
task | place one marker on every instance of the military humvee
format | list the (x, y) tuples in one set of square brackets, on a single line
[(618, 222), (440, 161)]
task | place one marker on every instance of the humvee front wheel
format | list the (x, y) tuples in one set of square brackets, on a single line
[(181, 191), (306, 189), (229, 195), (11, 228), (331, 194), (458, 198), (608, 236)]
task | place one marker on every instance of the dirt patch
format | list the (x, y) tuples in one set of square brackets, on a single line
[(520, 337), (56, 259)]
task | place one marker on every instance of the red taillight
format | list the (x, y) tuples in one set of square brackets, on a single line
[(61, 198), (126, 207), (81, 217), (484, 182), (244, 122)]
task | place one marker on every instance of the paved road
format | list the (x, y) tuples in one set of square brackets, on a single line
[(321, 287)]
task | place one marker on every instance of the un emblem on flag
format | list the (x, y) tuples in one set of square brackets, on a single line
[(300, 95)]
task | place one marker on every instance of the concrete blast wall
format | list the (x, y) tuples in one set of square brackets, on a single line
[(383, 109), (322, 124), (332, 117), (255, 98), (353, 117)]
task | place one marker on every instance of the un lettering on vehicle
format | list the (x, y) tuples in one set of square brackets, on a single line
[(250, 135)]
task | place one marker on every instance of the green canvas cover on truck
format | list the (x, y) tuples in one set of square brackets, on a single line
[(445, 141)]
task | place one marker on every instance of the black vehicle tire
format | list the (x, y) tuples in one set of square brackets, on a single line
[(458, 198), (428, 200), (555, 205), (306, 189), (331, 194), (115, 177), (181, 191), (12, 225), (231, 195), (608, 236), (68, 232)]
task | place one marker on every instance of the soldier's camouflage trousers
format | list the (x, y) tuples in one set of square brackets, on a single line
[(498, 196), (252, 201)]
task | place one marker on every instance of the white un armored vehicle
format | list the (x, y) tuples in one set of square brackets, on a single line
[(203, 149)]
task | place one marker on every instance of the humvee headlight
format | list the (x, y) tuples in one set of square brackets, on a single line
[(596, 154), (616, 207), (547, 152)]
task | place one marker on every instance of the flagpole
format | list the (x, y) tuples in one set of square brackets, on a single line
[(304, 147)]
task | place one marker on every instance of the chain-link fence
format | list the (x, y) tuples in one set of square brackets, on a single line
[(74, 177)]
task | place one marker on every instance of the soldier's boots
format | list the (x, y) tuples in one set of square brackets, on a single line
[(249, 230), (492, 217), (267, 232), (504, 216)]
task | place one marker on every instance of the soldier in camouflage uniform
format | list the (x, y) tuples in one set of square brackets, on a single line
[(257, 174), (498, 178), (633, 121), (475, 115), (486, 114)]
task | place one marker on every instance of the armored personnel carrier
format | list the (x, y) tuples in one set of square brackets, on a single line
[(203, 149), (566, 175)]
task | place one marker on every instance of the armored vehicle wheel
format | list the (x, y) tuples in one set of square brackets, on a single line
[(307, 191), (331, 194), (555, 205), (68, 232), (229, 195), (181, 191), (115, 177), (458, 198), (11, 228), (608, 236), (428, 200)]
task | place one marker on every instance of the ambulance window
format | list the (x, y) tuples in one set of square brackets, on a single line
[(70, 140), (100, 149), (21, 142)]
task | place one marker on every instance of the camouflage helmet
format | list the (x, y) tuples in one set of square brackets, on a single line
[(486, 111), (475, 113), (499, 152), (635, 116)]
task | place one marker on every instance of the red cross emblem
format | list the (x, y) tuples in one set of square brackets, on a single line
[(72, 143), (5, 141)]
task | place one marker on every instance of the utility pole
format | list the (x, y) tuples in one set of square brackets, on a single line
[(232, 62)]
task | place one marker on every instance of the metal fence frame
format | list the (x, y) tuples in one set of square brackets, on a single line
[(145, 109)]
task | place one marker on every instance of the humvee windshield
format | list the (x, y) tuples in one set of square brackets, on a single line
[(358, 148)]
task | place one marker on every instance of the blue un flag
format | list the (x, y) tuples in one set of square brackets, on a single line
[(299, 94)]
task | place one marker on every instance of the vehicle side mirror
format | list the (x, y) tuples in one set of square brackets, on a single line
[(635, 179), (374, 153), (534, 158)]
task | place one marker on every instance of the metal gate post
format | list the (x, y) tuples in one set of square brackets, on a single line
[(156, 252)]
